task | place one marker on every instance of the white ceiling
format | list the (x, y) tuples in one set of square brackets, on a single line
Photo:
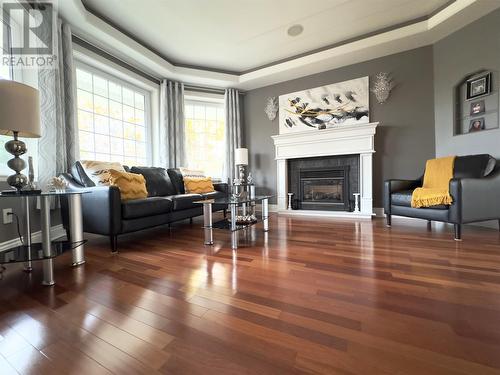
[(240, 35), (246, 39)]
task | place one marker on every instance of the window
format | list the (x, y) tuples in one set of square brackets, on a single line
[(113, 118), (205, 136)]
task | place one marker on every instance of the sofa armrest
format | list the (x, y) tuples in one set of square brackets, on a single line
[(221, 186), (101, 206), (475, 199), (392, 186)]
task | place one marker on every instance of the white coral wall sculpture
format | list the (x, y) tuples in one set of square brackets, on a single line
[(382, 87), (271, 108)]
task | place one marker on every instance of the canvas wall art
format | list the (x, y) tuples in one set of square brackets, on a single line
[(325, 107)]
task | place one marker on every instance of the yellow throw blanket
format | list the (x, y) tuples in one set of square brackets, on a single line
[(436, 189)]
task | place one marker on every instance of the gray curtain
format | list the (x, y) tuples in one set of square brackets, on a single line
[(172, 134), (58, 146), (233, 130)]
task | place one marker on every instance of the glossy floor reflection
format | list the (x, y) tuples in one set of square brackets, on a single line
[(309, 297)]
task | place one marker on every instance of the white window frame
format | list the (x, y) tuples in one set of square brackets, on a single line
[(124, 83)]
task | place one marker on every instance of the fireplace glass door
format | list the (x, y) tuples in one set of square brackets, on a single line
[(324, 189)]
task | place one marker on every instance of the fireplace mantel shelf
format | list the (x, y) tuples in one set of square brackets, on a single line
[(357, 139)]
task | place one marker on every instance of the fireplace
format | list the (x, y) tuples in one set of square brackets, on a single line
[(324, 189)]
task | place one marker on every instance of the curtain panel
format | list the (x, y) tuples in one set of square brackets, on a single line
[(172, 134), (58, 146), (233, 131)]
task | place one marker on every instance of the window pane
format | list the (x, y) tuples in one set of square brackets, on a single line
[(139, 117), (115, 92), (128, 114), (85, 120), (102, 143), (100, 86), (84, 155), (128, 97), (116, 146), (116, 128), (128, 131), (101, 124), (102, 157), (140, 134), (86, 140), (211, 113), (85, 101), (101, 105), (139, 101), (199, 112), (115, 110), (128, 147), (83, 80), (140, 149)]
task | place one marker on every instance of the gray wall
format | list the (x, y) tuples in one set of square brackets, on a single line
[(405, 137), (473, 48)]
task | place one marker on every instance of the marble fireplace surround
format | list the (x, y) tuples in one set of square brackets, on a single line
[(358, 139)]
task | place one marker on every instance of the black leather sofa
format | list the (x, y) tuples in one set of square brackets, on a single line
[(475, 189), (104, 213)]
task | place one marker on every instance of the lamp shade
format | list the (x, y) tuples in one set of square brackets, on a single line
[(19, 109), (241, 156)]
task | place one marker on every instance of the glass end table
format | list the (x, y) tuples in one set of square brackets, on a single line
[(232, 225)]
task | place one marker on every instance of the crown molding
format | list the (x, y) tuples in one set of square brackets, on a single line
[(414, 34)]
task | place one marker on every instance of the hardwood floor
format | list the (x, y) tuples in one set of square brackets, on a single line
[(310, 297)]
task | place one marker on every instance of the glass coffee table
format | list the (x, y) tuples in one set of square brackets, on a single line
[(245, 205)]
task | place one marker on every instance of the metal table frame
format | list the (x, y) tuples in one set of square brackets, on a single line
[(75, 230), (208, 218)]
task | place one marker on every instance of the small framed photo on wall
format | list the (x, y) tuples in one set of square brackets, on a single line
[(479, 85), (477, 107), (476, 125)]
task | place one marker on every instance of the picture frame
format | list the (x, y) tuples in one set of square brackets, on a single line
[(476, 125), (478, 85), (477, 107)]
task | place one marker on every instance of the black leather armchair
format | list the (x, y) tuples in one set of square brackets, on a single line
[(104, 212), (475, 190)]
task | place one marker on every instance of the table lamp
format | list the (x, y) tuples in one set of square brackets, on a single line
[(19, 117), (241, 161)]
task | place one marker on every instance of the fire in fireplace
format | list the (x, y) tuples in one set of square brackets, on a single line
[(325, 189)]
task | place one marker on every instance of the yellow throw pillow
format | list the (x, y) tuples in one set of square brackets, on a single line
[(198, 185), (131, 185), (98, 171)]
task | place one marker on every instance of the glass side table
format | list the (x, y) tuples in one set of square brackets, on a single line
[(47, 250)]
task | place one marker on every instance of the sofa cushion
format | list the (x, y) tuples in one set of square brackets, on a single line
[(198, 185), (177, 180), (472, 166), (214, 195), (98, 171), (157, 181), (403, 199), (185, 201), (146, 207), (132, 185)]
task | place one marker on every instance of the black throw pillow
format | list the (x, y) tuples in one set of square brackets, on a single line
[(158, 182)]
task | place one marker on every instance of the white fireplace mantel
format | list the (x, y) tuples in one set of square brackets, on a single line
[(355, 139)]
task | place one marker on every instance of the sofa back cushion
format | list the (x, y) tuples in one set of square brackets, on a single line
[(131, 185), (158, 181), (473, 166), (98, 171), (177, 180)]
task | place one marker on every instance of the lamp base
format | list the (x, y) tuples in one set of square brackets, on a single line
[(17, 148)]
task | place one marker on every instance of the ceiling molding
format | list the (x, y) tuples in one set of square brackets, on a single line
[(102, 33)]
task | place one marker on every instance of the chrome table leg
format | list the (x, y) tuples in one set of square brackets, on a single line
[(265, 214), (48, 264), (234, 232), (76, 227), (207, 223), (28, 267)]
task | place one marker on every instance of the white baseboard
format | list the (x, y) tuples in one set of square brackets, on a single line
[(273, 208), (55, 232)]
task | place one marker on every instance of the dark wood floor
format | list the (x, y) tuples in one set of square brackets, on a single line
[(311, 296)]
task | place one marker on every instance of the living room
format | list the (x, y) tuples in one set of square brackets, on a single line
[(250, 187)]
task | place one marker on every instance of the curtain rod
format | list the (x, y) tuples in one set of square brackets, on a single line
[(83, 43)]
